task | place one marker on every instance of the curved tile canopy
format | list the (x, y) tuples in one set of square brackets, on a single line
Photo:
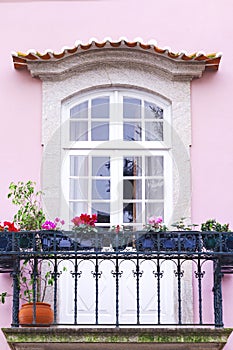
[(21, 60)]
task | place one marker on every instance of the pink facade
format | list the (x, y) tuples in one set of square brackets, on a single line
[(181, 25)]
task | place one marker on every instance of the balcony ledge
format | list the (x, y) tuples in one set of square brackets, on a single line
[(116, 338)]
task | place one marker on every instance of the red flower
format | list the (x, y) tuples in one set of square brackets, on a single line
[(10, 226), (85, 219)]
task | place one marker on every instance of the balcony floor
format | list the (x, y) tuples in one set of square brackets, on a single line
[(138, 338)]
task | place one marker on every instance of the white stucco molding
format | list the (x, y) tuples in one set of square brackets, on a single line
[(174, 70), (101, 69)]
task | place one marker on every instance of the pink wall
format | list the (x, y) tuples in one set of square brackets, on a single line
[(192, 26)]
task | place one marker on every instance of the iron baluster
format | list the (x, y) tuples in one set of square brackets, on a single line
[(158, 275), (179, 274), (76, 275), (97, 275), (217, 289), (199, 274), (117, 274), (55, 275), (138, 274), (16, 291), (36, 286)]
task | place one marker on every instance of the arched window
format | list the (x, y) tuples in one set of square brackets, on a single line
[(116, 164)]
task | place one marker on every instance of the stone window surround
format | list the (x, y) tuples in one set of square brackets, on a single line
[(120, 68)]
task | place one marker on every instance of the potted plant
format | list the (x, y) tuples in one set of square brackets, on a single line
[(34, 279), (118, 237), (151, 239), (211, 236), (53, 237), (187, 241), (30, 215), (85, 232), (8, 242), (6, 236)]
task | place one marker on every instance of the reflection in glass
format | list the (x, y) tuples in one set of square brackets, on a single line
[(154, 189), (100, 107), (78, 188), (131, 107), (80, 111), (154, 166), (78, 131), (102, 210), (100, 189), (78, 165), (99, 131), (132, 189), (152, 111), (132, 166), (132, 131), (77, 208), (154, 131), (132, 213), (100, 166), (154, 209)]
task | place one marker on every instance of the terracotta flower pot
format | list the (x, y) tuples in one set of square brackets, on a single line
[(44, 314)]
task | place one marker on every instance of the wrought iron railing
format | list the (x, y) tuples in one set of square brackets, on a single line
[(174, 263)]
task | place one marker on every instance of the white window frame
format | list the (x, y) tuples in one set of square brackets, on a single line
[(114, 133), (116, 144)]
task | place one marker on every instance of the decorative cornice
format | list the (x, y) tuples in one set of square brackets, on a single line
[(176, 66)]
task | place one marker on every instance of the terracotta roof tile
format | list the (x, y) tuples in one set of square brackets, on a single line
[(21, 60)]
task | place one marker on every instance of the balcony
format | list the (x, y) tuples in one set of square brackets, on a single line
[(131, 283)]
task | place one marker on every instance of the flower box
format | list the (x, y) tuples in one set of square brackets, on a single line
[(167, 241), (52, 240)]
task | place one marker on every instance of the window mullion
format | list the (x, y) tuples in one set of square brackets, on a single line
[(116, 189), (143, 190), (89, 202)]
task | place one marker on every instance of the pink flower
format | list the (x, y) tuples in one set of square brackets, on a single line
[(48, 225), (152, 220), (159, 220)]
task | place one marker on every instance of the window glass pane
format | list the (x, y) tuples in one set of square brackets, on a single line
[(131, 107), (132, 131), (154, 209), (99, 131), (102, 210), (132, 212), (132, 189), (154, 189), (100, 107), (80, 111), (78, 189), (154, 166), (78, 165), (152, 111), (100, 189), (154, 131), (77, 208), (100, 166), (78, 131), (132, 166)]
